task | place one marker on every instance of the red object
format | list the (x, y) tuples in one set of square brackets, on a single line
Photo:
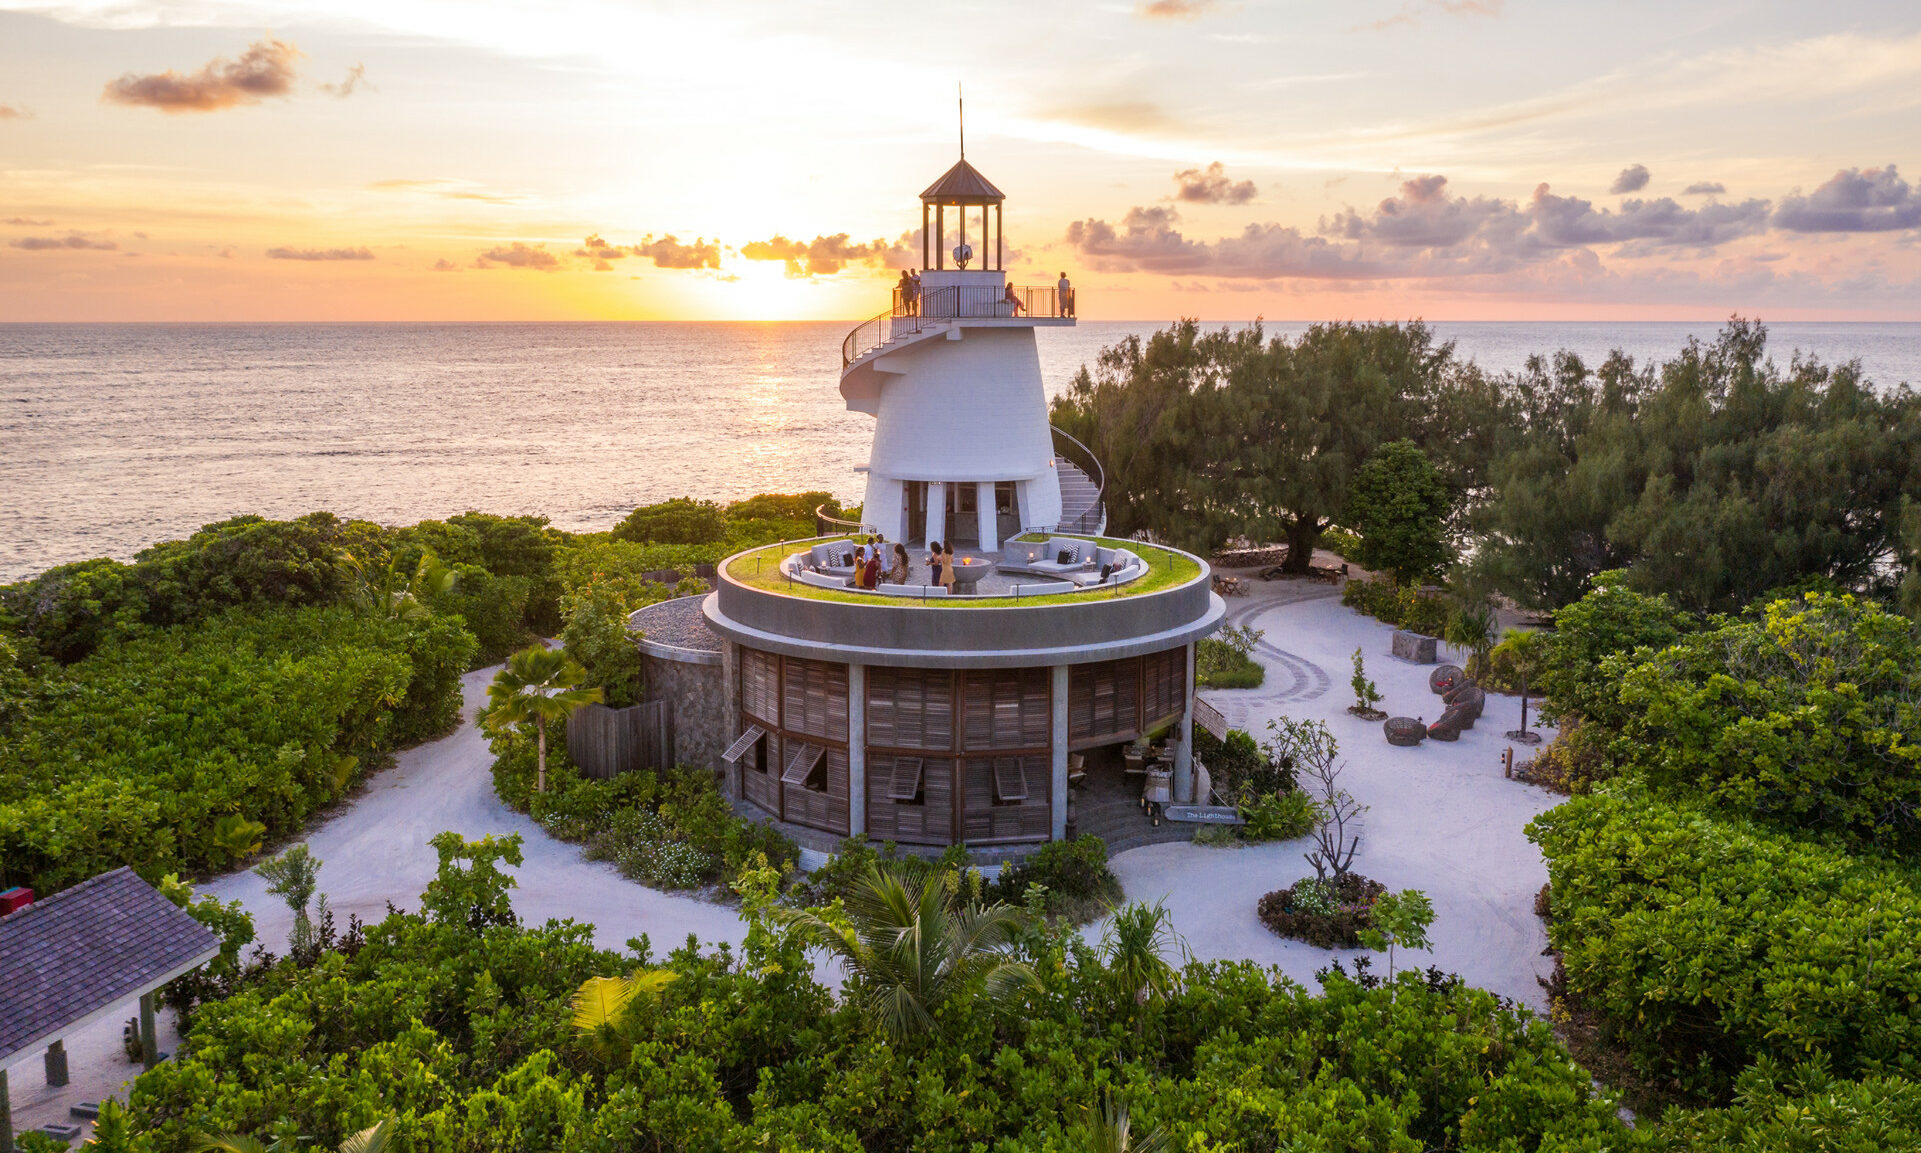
[(13, 900)]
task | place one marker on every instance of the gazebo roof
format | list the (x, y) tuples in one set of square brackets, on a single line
[(963, 184), (76, 954)]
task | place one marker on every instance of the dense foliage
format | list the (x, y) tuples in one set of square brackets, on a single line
[(459, 1024), (1712, 477), (1708, 943), (1398, 503), (670, 830), (132, 754)]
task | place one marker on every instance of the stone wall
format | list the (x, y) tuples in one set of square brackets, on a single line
[(700, 707)]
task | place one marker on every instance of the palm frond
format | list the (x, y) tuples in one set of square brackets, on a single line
[(227, 1143), (600, 1000), (370, 1140)]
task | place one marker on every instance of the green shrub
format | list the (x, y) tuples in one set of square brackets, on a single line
[(131, 756), (1079, 884), (1403, 606), (1805, 1108), (1582, 668), (681, 520), (1707, 945), (797, 506), (1398, 501), (596, 636), (1810, 715), (1219, 665), (671, 830), (1278, 818), (494, 609)]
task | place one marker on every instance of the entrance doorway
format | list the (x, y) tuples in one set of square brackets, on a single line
[(963, 514), (1007, 516), (914, 496)]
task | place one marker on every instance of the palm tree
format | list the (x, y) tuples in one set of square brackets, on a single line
[(1134, 949), (539, 685), (292, 876), (370, 1140), (1111, 1131), (1474, 628), (909, 949), (394, 594), (604, 1010)]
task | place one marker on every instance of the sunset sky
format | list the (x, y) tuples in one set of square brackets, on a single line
[(617, 159)]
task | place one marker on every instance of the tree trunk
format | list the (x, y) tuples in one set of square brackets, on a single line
[(540, 775), (1303, 533)]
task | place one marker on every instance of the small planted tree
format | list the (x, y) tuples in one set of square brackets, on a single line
[(1398, 920), (1366, 696), (538, 685), (1522, 653), (1316, 757), (1474, 627), (292, 877)]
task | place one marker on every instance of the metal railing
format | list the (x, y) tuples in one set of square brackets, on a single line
[(829, 525), (1093, 519), (909, 313)]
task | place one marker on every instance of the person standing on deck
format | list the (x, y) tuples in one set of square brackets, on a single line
[(1065, 290)]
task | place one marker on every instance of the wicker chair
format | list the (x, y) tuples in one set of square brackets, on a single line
[(1445, 678), (1404, 732)]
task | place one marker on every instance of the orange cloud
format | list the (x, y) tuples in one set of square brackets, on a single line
[(265, 69), (320, 254), (518, 255)]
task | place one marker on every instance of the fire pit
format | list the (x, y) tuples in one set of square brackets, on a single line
[(969, 570)]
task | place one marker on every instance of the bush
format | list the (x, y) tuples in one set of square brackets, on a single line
[(131, 755), (1219, 665), (798, 506), (671, 830), (1592, 645), (1329, 915), (1708, 945), (1403, 606), (1808, 715), (681, 520), (494, 609), (1238, 770), (596, 636), (1079, 884), (1398, 501), (1278, 818)]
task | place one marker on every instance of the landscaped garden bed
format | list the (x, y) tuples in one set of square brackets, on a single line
[(1330, 915)]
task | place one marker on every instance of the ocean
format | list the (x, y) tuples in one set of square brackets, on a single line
[(113, 437)]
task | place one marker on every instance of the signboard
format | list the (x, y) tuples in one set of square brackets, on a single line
[(1204, 814)]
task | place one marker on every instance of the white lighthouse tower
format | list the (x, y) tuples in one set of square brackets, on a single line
[(962, 449)]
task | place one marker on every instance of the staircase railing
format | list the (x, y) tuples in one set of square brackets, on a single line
[(1094, 518), (909, 314)]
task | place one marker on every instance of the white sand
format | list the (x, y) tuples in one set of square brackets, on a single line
[(1442, 818)]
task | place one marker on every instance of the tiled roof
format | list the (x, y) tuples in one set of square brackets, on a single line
[(83, 949)]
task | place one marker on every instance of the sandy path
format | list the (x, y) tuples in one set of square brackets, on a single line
[(1443, 819)]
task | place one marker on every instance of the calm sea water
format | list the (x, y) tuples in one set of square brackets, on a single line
[(113, 437)]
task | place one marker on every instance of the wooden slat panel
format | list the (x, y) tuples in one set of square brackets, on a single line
[(910, 708), (904, 783), (937, 801), (1006, 709), (1009, 782), (1103, 702), (760, 686), (984, 821), (814, 694), (1163, 684), (801, 766), (746, 741)]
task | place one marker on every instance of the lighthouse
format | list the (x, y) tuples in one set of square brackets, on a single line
[(962, 450)]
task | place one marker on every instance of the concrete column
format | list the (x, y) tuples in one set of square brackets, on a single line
[(730, 712), (56, 1062), (856, 749), (989, 524), (149, 1036), (6, 1114), (1058, 800), (936, 510), (1184, 752)]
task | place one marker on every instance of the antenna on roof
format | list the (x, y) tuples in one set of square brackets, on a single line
[(960, 101)]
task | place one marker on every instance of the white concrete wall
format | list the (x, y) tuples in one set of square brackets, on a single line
[(882, 507), (970, 409), (1040, 500)]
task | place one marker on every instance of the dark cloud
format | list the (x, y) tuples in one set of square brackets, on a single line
[(1175, 9), (1853, 200), (25, 222), (1425, 231), (71, 240), (1632, 179), (821, 256), (265, 69), (320, 254), (10, 112), (669, 252), (1704, 188), (445, 265), (518, 255), (1210, 185), (600, 252), (356, 76)]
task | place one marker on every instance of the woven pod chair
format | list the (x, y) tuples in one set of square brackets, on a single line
[(1404, 732), (1445, 677)]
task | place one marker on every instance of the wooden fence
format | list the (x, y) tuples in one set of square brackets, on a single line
[(605, 742)]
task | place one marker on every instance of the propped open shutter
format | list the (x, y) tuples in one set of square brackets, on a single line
[(1010, 784), (905, 785), (740, 747), (802, 764)]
